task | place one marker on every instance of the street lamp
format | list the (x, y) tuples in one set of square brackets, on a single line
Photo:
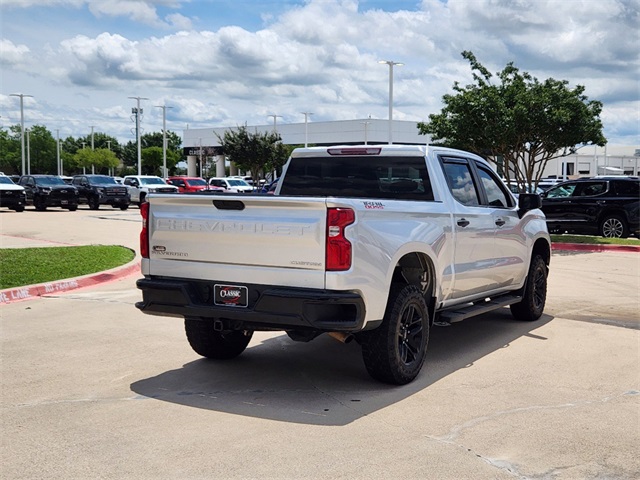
[(306, 130), (366, 126), (391, 64), (275, 130), (21, 95), (164, 139), (137, 112), (28, 152)]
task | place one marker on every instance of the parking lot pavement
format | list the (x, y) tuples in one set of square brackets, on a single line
[(92, 388)]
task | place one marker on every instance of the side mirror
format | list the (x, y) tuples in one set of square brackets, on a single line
[(528, 201)]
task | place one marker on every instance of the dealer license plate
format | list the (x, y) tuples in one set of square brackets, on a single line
[(230, 295)]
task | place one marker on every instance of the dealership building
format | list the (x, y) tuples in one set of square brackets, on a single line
[(205, 156)]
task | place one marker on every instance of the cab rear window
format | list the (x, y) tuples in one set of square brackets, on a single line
[(399, 178)]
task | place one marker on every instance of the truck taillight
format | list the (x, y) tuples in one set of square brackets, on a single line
[(338, 247), (144, 234)]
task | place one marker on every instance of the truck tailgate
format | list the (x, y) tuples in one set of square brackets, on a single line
[(239, 238)]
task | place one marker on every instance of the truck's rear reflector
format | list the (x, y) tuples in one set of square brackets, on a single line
[(354, 151), (144, 234), (338, 247)]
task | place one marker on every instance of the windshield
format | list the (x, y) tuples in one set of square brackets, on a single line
[(101, 180), (197, 182), (6, 180), (49, 181), (152, 181), (387, 177), (238, 183)]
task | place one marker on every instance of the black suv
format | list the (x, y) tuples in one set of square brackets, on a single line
[(604, 206), (49, 191), (96, 190)]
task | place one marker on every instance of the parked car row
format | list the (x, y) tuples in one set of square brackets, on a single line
[(606, 206)]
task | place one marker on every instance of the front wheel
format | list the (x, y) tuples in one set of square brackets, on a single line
[(531, 306), (212, 344), (395, 351), (40, 204), (124, 207), (613, 226), (94, 203)]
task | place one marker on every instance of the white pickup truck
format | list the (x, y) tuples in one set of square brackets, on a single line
[(372, 243), (140, 186)]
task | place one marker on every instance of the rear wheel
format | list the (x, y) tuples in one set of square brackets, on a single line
[(212, 344), (614, 226), (395, 351), (535, 292)]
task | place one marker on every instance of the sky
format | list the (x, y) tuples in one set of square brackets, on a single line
[(224, 63)]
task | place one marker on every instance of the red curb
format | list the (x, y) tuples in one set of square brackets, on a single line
[(29, 292), (587, 247)]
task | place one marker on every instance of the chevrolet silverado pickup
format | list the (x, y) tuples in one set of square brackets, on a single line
[(371, 243)]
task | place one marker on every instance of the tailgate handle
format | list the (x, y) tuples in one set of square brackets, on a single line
[(228, 204)]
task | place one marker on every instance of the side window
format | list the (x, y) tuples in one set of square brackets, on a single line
[(627, 188), (496, 196), (561, 191), (461, 183), (592, 188)]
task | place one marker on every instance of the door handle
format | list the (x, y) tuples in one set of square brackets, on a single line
[(463, 222), (500, 222)]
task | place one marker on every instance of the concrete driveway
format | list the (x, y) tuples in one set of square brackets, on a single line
[(92, 388)]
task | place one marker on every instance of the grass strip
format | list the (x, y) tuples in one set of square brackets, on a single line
[(594, 240), (29, 266)]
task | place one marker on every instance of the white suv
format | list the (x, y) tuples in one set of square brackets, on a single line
[(235, 185)]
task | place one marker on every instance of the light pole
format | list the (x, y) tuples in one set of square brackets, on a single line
[(21, 95), (366, 127), (58, 151), (164, 139), (93, 168), (28, 153), (137, 112), (275, 130), (306, 125), (391, 64)]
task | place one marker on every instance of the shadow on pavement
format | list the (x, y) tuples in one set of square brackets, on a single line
[(324, 382)]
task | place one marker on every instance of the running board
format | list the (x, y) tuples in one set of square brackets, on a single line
[(457, 314)]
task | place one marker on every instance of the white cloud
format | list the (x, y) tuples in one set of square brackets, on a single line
[(322, 55)]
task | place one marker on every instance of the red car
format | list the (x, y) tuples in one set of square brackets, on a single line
[(189, 184)]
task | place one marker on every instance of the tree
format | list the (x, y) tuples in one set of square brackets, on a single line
[(521, 120), (255, 152), (10, 150), (152, 140)]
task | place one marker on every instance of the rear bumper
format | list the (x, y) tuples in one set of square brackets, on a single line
[(269, 307)]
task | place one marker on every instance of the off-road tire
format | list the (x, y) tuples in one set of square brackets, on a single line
[(209, 343), (395, 351), (614, 226), (94, 203), (40, 204), (531, 306)]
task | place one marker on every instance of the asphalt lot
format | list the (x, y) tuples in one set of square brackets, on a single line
[(92, 388)]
